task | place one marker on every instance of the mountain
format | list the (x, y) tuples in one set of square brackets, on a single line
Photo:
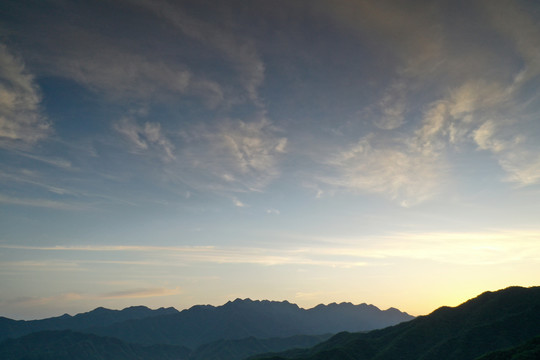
[(247, 318), (243, 348), (69, 345), (99, 317), (66, 344), (489, 322), (528, 351)]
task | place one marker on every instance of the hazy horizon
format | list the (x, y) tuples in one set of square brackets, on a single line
[(175, 153)]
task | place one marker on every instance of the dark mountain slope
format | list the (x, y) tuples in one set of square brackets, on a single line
[(246, 318), (96, 318), (241, 349), (528, 351), (491, 321), (66, 344), (69, 345)]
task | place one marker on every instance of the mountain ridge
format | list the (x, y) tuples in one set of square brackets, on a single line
[(244, 318), (488, 322), (200, 324)]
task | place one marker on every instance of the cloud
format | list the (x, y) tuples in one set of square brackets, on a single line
[(475, 248), (468, 248), (145, 137), (484, 136), (119, 71), (40, 301), (54, 161), (395, 170), (240, 51), (124, 75), (390, 110), (39, 203), (74, 296), (515, 22), (21, 119), (174, 256), (273, 211), (412, 31), (238, 203), (522, 166), (140, 293), (239, 155)]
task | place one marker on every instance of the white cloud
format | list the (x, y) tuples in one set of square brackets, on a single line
[(477, 248), (394, 170), (240, 155), (238, 203), (484, 137), (21, 120), (522, 166), (146, 137)]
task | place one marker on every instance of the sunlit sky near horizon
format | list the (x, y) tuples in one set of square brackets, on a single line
[(173, 153)]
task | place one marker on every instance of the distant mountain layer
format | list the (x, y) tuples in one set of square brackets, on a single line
[(69, 345), (202, 324), (244, 348), (489, 322), (99, 317), (245, 318)]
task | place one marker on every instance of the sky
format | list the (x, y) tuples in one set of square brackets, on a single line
[(174, 153)]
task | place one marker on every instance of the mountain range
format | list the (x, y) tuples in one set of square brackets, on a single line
[(501, 325), (490, 322), (235, 330)]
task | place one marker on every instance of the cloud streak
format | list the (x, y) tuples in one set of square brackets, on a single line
[(238, 49), (144, 137), (397, 171), (140, 293), (239, 155), (21, 118), (474, 248)]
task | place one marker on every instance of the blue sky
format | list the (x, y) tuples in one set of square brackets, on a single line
[(192, 152)]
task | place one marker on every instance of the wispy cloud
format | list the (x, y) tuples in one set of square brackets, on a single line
[(39, 301), (144, 137), (389, 112), (238, 203), (237, 48), (80, 297), (53, 161), (240, 155), (140, 293), (21, 119), (395, 170), (476, 248), (40, 203)]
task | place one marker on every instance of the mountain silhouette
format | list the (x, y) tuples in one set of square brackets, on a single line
[(528, 351), (69, 345), (98, 317), (492, 321), (240, 319)]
